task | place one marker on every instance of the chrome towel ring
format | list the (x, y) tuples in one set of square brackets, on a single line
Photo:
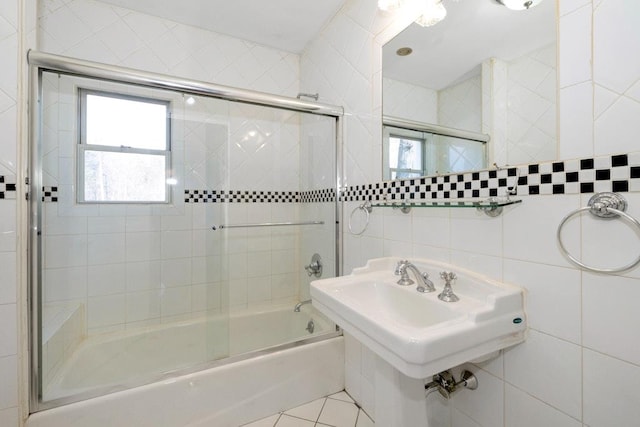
[(366, 208), (602, 205)]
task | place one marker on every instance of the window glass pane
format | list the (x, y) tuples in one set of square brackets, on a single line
[(119, 122), (123, 177), (405, 153)]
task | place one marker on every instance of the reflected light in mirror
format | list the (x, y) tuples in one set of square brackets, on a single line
[(389, 5), (432, 14), (519, 4)]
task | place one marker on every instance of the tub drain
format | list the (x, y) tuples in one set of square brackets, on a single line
[(311, 326)]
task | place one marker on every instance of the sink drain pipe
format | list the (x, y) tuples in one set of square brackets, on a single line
[(446, 385)]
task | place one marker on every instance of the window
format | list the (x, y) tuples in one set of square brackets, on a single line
[(406, 157), (124, 149)]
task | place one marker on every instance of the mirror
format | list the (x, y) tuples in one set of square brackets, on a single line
[(478, 89)]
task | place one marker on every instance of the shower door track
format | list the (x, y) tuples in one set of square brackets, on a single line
[(79, 67), (40, 62)]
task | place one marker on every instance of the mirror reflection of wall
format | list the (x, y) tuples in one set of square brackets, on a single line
[(484, 69)]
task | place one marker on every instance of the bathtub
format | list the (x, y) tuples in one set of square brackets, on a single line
[(293, 366)]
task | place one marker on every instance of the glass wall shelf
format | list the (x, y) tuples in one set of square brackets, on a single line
[(492, 206)]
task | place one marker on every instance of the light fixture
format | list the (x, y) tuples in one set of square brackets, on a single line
[(432, 13), (389, 5), (519, 4), (404, 51)]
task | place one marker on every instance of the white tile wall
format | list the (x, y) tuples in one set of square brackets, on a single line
[(531, 107), (409, 101), (253, 140), (10, 22), (329, 68), (573, 316), (460, 105)]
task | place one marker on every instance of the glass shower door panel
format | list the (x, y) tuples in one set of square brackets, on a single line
[(268, 210), (128, 291)]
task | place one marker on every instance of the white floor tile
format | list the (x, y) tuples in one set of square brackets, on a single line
[(309, 411), (336, 410), (341, 396), (338, 413), (364, 420), (287, 421), (264, 422)]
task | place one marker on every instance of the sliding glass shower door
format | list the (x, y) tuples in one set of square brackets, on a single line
[(171, 231)]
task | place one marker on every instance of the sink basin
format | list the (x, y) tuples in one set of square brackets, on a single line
[(415, 332)]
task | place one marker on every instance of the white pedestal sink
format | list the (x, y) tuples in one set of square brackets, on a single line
[(417, 334)]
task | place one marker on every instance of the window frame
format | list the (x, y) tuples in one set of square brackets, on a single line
[(83, 146)]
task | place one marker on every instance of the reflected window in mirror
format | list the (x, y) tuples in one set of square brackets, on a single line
[(410, 154), (406, 157)]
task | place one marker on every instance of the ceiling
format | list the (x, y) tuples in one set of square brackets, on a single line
[(474, 30), (282, 24)]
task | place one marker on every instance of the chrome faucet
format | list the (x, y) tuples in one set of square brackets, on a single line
[(300, 304), (424, 284)]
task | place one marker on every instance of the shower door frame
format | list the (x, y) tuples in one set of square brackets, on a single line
[(40, 62)]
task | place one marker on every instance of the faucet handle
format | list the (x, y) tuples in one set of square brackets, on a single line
[(448, 276), (447, 294), (400, 267)]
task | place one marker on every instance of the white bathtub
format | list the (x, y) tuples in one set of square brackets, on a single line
[(230, 394)]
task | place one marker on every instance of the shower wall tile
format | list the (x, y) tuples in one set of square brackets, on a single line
[(105, 248), (106, 279), (143, 246), (75, 253), (136, 40), (106, 311), (142, 306), (64, 284), (176, 301)]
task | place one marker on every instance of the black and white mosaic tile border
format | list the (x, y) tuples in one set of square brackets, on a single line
[(49, 194), (8, 187), (249, 196), (318, 196), (240, 196), (618, 173)]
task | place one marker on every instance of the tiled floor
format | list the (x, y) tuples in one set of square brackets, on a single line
[(337, 410)]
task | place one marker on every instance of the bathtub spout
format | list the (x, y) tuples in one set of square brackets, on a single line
[(300, 304)]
